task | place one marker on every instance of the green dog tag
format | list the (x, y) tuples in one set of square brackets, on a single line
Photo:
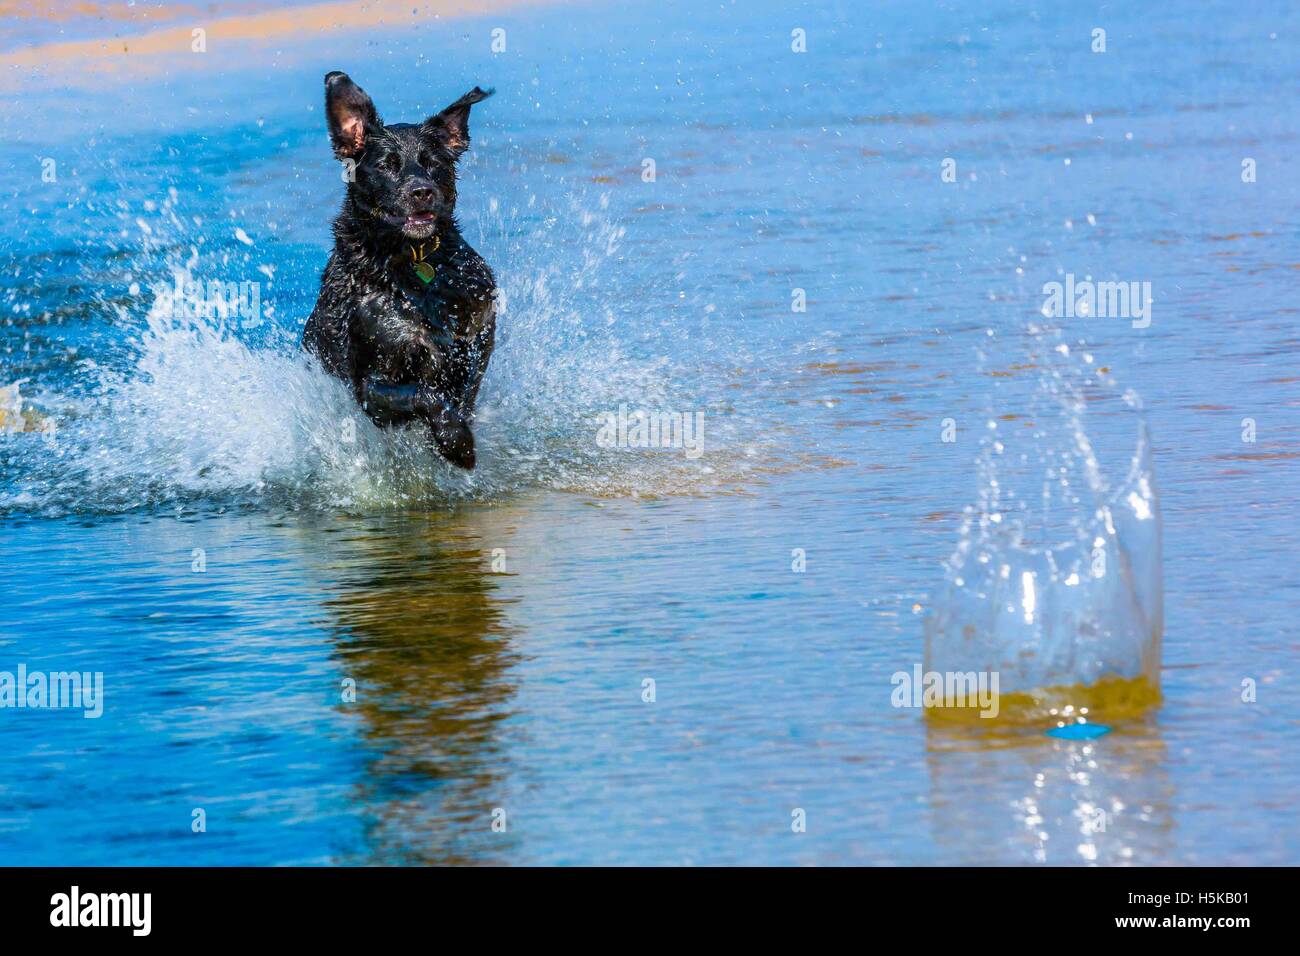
[(425, 271)]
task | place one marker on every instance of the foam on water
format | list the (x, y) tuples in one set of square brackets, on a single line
[(1055, 583)]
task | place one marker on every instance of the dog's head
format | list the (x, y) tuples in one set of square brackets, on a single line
[(403, 176)]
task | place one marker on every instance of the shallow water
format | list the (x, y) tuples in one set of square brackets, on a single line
[(499, 627)]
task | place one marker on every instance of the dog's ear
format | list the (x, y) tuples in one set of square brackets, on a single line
[(351, 115), (451, 126)]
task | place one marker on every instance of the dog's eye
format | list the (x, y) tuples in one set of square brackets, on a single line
[(391, 162), (426, 159)]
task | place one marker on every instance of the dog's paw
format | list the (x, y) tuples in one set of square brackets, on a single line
[(453, 438)]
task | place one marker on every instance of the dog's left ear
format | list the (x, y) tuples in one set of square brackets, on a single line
[(451, 126), (351, 115)]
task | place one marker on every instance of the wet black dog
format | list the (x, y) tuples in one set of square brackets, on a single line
[(406, 311)]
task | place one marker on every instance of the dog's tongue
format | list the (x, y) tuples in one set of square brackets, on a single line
[(419, 219)]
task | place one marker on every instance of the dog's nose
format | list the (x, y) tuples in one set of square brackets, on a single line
[(422, 194)]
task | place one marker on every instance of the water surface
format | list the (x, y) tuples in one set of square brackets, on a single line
[(499, 627)]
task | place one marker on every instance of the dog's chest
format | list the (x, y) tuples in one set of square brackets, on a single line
[(440, 307), (447, 298)]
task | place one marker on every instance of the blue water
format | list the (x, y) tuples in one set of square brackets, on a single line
[(519, 686)]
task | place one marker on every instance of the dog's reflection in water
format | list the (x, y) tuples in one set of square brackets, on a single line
[(422, 631)]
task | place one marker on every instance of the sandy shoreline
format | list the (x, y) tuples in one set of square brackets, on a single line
[(150, 45)]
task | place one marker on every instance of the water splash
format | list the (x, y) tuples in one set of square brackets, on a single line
[(1059, 590), (184, 407)]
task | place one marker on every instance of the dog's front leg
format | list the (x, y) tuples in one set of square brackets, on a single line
[(402, 377), (392, 403)]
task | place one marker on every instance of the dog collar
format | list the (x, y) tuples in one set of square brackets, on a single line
[(424, 270)]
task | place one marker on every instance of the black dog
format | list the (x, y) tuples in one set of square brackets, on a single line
[(406, 311)]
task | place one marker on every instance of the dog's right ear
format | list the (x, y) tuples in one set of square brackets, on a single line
[(351, 115)]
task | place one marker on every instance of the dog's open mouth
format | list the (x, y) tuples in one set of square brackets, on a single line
[(419, 224)]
